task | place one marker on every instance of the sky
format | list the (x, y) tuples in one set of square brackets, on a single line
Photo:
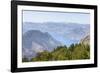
[(44, 16)]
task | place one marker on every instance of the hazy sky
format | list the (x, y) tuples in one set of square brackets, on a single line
[(43, 16)]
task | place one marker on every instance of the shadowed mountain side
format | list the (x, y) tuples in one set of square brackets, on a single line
[(35, 41)]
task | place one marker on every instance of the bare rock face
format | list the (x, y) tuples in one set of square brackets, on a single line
[(86, 40)]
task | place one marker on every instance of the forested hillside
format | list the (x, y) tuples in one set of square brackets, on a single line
[(73, 52)]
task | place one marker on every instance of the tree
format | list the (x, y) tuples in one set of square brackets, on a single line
[(71, 47), (73, 52), (43, 56)]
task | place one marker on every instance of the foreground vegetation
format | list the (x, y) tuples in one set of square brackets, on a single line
[(74, 52)]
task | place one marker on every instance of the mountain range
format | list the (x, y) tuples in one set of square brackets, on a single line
[(38, 37), (66, 30)]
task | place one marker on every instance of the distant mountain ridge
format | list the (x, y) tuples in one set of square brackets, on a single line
[(35, 41), (35, 26), (74, 30)]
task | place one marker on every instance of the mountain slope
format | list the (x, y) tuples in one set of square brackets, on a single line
[(35, 41), (86, 40)]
